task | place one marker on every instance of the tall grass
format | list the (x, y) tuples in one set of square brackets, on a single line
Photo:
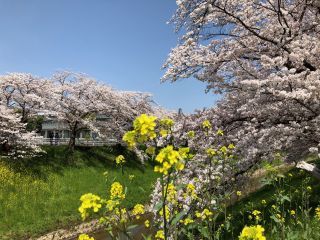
[(287, 205)]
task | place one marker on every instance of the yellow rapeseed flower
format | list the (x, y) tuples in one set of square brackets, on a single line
[(252, 233), (167, 212), (89, 201), (147, 223), (151, 150), (159, 235), (111, 204), (116, 191), (144, 129), (318, 213), (190, 187), (184, 152), (85, 237), (191, 134), (206, 213), (144, 126), (239, 193), (166, 122), (120, 160), (191, 191), (171, 193), (206, 124), (211, 152), (224, 149), (256, 212), (231, 146), (220, 132), (123, 215), (164, 132), (168, 158), (130, 138), (187, 221), (138, 210), (281, 219)]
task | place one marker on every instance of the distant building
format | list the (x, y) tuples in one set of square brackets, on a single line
[(51, 126)]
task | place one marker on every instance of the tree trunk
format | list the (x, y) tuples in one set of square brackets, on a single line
[(310, 168), (72, 141), (5, 147)]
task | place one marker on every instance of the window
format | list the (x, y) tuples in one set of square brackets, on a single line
[(66, 134)]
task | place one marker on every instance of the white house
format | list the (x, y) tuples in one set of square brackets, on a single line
[(54, 130)]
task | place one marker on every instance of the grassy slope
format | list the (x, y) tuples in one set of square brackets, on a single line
[(43, 193), (254, 200)]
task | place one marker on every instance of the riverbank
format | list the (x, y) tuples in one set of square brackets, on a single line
[(42, 194)]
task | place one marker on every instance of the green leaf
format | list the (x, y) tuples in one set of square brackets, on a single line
[(146, 237), (285, 198), (142, 189), (275, 219), (158, 206), (178, 217), (204, 232), (132, 227), (180, 186)]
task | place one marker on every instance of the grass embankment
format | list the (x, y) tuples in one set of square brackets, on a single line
[(300, 192), (42, 194)]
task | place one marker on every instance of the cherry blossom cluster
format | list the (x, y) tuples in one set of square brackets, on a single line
[(73, 98), (264, 57)]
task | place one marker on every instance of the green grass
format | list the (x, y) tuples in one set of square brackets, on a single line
[(242, 208), (42, 194)]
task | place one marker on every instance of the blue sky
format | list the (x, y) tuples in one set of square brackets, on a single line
[(122, 43)]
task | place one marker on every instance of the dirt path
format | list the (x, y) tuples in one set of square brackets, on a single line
[(72, 233)]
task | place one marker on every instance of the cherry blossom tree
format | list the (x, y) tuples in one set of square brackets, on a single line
[(228, 41), (22, 96), (264, 55), (25, 93), (74, 98), (9, 125), (78, 99), (14, 139)]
